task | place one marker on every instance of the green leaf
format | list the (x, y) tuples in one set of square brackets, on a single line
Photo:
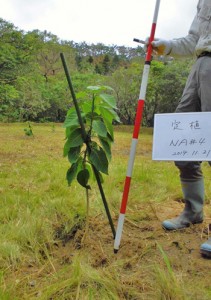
[(93, 116), (83, 178), (74, 154), (71, 173), (115, 115), (110, 138), (109, 114), (88, 166), (81, 95), (71, 120), (102, 87), (106, 147), (94, 88), (71, 111), (109, 99), (93, 144), (68, 130), (98, 158), (106, 87), (100, 128), (86, 107), (110, 130), (66, 148), (74, 140)]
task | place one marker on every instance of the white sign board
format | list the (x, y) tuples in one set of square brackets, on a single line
[(182, 137)]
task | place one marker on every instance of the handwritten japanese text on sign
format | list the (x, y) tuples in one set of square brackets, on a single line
[(182, 136)]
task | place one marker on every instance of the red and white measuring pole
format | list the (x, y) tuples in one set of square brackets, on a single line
[(137, 125)]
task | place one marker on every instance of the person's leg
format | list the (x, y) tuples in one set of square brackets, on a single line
[(193, 193), (196, 97), (190, 172)]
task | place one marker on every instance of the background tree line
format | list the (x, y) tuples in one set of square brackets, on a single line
[(33, 86)]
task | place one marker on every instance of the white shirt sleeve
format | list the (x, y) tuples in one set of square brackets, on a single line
[(186, 45)]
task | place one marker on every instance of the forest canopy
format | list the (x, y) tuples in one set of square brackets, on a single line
[(33, 86)]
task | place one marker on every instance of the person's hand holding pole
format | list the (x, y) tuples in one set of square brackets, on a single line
[(159, 46)]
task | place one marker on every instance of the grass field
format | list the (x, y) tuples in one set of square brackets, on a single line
[(42, 223)]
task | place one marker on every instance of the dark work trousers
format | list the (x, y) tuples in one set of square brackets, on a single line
[(196, 97)]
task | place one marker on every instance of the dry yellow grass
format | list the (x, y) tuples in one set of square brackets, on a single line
[(42, 224)]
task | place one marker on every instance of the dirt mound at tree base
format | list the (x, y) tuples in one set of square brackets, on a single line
[(151, 263)]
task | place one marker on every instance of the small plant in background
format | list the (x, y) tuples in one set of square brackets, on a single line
[(98, 113), (53, 129), (28, 131)]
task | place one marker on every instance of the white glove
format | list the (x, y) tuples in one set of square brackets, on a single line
[(159, 46)]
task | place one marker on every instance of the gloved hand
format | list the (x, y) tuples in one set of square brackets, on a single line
[(159, 46)]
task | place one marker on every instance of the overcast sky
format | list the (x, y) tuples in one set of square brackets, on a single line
[(109, 22)]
